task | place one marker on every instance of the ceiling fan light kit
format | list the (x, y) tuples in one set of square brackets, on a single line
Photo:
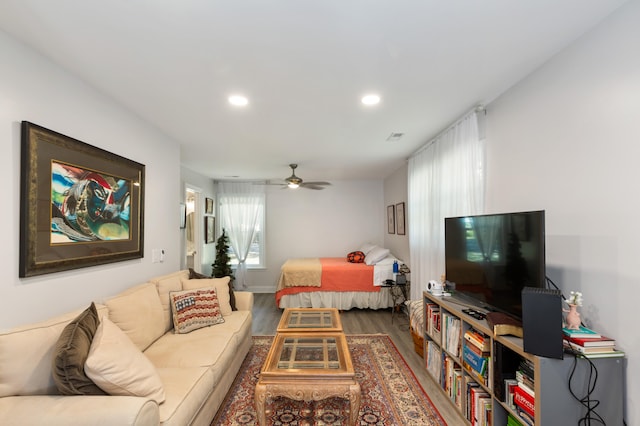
[(294, 182)]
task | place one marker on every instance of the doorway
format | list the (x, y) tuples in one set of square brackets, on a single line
[(193, 230)]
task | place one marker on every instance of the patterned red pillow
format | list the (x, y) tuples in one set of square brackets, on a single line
[(355, 257)]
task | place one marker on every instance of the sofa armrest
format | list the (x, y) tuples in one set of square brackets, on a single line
[(78, 410), (244, 300)]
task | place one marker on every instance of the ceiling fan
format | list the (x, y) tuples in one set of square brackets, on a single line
[(294, 181)]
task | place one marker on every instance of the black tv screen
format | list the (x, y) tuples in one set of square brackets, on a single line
[(491, 258)]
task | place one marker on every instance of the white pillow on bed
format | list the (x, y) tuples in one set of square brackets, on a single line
[(367, 247), (388, 260), (376, 255)]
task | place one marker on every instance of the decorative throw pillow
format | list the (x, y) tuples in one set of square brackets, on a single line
[(70, 354), (376, 255), (193, 275), (355, 257), (117, 365), (194, 309), (219, 284)]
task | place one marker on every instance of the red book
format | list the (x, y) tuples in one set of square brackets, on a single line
[(525, 401), (592, 341)]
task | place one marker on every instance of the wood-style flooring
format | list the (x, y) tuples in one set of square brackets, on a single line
[(367, 321)]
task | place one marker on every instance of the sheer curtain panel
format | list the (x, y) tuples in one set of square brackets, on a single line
[(446, 178), (241, 207)]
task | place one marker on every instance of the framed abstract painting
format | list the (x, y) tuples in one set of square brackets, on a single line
[(80, 205)]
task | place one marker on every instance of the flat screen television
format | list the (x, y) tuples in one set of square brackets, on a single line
[(490, 258)]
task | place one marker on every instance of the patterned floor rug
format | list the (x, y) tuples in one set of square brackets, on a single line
[(391, 395)]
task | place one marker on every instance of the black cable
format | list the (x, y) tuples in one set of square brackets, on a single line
[(586, 401)]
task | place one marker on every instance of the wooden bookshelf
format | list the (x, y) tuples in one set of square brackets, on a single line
[(446, 366)]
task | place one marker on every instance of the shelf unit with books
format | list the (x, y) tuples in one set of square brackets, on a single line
[(480, 381)]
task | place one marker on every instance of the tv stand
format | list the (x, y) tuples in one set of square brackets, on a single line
[(446, 364)]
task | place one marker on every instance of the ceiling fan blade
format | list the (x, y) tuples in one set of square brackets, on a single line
[(314, 183), (316, 187)]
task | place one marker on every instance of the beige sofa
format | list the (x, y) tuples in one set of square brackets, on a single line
[(196, 369)]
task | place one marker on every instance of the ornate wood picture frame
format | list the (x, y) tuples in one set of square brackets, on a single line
[(80, 205)]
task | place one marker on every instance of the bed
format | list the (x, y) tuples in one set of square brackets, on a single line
[(332, 282)]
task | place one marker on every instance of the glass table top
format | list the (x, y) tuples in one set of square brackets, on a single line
[(309, 352), (310, 319)]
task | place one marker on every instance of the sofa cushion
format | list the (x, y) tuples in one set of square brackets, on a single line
[(222, 290), (71, 352), (138, 312), (194, 309), (186, 389), (193, 275), (118, 367), (165, 284), (26, 354)]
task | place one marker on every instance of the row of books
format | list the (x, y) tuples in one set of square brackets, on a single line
[(478, 409), (590, 344), (451, 380), (451, 334), (433, 322), (476, 355), (520, 392)]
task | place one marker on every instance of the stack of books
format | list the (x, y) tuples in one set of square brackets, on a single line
[(524, 398), (479, 407), (590, 344), (475, 355)]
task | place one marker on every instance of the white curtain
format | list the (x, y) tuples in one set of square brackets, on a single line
[(241, 205), (446, 178)]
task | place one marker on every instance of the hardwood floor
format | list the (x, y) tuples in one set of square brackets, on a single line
[(366, 321)]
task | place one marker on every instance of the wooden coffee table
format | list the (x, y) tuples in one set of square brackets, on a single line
[(309, 319), (308, 366)]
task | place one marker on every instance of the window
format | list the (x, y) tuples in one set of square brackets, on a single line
[(255, 258), (242, 216)]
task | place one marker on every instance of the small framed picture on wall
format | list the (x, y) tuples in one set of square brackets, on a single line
[(208, 208), (400, 218), (391, 219)]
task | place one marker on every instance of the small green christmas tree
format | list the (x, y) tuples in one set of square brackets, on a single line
[(221, 266)]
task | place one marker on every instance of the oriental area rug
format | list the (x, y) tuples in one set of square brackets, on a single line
[(391, 395)]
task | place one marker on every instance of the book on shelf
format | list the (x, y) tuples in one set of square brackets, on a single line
[(477, 363), (581, 332), (612, 354), (524, 379), (503, 324), (527, 388), (477, 339), (525, 417), (589, 349), (509, 386), (524, 401), (512, 421), (591, 341)]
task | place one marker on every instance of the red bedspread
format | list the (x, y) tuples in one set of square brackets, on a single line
[(338, 275)]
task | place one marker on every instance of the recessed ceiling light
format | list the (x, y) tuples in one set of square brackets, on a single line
[(238, 100), (371, 99)]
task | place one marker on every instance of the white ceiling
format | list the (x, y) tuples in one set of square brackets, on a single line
[(304, 66)]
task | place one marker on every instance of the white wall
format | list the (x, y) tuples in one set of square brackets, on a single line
[(33, 89), (395, 191), (327, 223), (567, 140)]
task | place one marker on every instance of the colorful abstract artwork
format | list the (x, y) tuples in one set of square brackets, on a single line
[(80, 205), (87, 205)]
